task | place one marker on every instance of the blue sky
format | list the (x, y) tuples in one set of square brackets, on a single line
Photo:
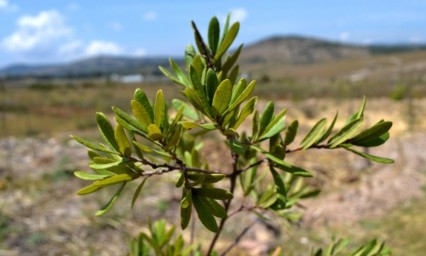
[(55, 31)]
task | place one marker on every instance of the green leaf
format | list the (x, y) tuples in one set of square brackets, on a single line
[(140, 96), (246, 111), (151, 150), (345, 133), (274, 127), (128, 118), (191, 95), (127, 126), (211, 85), (371, 157), (221, 98), (89, 176), (122, 141), (227, 40), (359, 114), (106, 130), (138, 191), (199, 89), (174, 138), (329, 130), (214, 34), (215, 208), (171, 76), (255, 125), (154, 132), (283, 165), (373, 142), (207, 178), (141, 114), (234, 74), (266, 116), (242, 97), (159, 109), (187, 111), (191, 125), (183, 79), (93, 145), (267, 199), (247, 178), (291, 132), (280, 203), (111, 202), (185, 208), (189, 54), (113, 180), (213, 193), (205, 216), (231, 60), (315, 134), (371, 133), (104, 163), (88, 190)]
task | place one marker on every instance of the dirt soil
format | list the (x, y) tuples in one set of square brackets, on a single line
[(41, 215)]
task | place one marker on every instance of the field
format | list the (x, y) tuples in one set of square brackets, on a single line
[(41, 215)]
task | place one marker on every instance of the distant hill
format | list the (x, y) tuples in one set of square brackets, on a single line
[(88, 67), (273, 50), (304, 50), (299, 50)]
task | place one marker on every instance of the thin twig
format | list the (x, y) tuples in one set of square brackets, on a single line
[(254, 165), (233, 179), (239, 237), (315, 146)]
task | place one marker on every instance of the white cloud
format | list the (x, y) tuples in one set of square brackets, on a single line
[(37, 31), (115, 26), (150, 16), (239, 14), (102, 47), (5, 5)]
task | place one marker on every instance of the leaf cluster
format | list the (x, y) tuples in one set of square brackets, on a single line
[(157, 138)]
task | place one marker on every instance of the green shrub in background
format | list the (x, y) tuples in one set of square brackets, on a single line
[(155, 140)]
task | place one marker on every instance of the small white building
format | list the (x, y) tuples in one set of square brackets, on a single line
[(127, 79)]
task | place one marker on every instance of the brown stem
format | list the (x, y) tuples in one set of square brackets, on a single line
[(299, 149), (233, 179)]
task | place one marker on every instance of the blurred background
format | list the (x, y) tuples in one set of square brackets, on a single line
[(61, 61)]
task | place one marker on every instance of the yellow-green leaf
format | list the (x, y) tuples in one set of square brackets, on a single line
[(141, 114), (90, 176), (122, 141), (106, 130), (138, 191), (227, 40), (222, 98), (154, 132), (159, 109), (113, 180), (88, 190), (314, 135), (111, 202)]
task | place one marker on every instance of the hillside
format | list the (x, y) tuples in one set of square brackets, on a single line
[(88, 67), (284, 50), (299, 50)]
